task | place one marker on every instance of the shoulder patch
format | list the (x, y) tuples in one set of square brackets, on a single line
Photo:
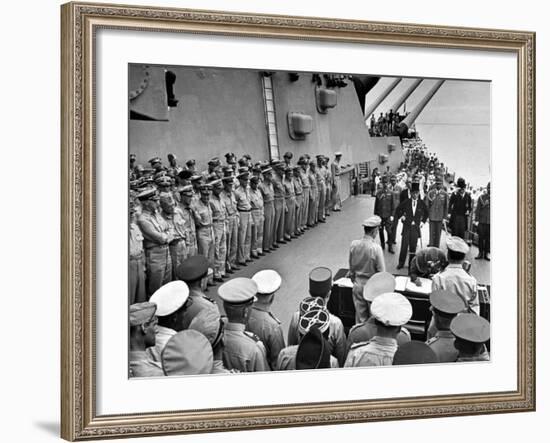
[(359, 344)]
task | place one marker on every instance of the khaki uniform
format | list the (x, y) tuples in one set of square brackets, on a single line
[(219, 224), (178, 247), (290, 201), (299, 196), (443, 344), (279, 202), (313, 199), (377, 352), (136, 267), (438, 205), (364, 332), (365, 259), (336, 197), (232, 234), (320, 176), (257, 212), (190, 230), (205, 232), (269, 215), (328, 196), (304, 210), (336, 336), (196, 303), (243, 350), (242, 197), (287, 359), (142, 366), (156, 236), (268, 329)]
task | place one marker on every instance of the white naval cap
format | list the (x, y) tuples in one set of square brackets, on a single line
[(457, 244), (391, 309), (268, 281), (238, 291), (372, 222), (379, 283), (170, 297)]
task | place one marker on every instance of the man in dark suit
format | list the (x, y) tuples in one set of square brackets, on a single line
[(406, 193), (413, 214), (460, 207)]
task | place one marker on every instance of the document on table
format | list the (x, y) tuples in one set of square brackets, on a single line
[(344, 282), (401, 282), (424, 288)]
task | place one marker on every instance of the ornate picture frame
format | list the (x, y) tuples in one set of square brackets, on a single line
[(80, 22)]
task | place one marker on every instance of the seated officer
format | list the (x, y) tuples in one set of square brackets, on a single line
[(194, 272), (143, 324), (426, 263), (320, 286), (391, 311), (318, 319), (170, 300), (379, 283), (471, 332), (414, 353), (243, 351), (445, 307), (187, 353), (210, 324), (262, 322)]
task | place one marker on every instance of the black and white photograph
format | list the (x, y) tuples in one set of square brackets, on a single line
[(306, 220)]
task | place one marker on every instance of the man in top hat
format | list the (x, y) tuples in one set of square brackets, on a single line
[(232, 233), (445, 305), (242, 196), (290, 203), (391, 311), (287, 157), (186, 199), (313, 195), (170, 300), (268, 198), (219, 225), (210, 324), (437, 201), (454, 278), (143, 324), (298, 197), (460, 207), (244, 351), (320, 176), (304, 177), (262, 322), (157, 236), (335, 171), (187, 353), (320, 286), (414, 353), (426, 263), (365, 259), (379, 283), (471, 332), (483, 221), (413, 214), (279, 204), (313, 347), (257, 221), (383, 207), (203, 222), (136, 263), (176, 220)]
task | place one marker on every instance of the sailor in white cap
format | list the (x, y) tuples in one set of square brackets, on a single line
[(187, 353), (454, 278), (244, 351), (320, 287), (143, 324), (314, 319), (391, 311), (170, 300), (365, 259), (262, 322), (336, 183), (379, 283)]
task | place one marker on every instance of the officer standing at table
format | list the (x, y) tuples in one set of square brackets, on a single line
[(243, 351)]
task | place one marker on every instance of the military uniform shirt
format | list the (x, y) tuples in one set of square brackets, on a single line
[(278, 187), (289, 188), (363, 332), (142, 366), (197, 302), (189, 219), (230, 202), (377, 352), (383, 205), (161, 338), (219, 212), (177, 223), (154, 229), (136, 241), (365, 258), (268, 328), (297, 181), (219, 368), (438, 204), (243, 198), (203, 214), (243, 350), (305, 179), (455, 279), (256, 199), (267, 191), (483, 209), (287, 359), (443, 344), (484, 356)]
